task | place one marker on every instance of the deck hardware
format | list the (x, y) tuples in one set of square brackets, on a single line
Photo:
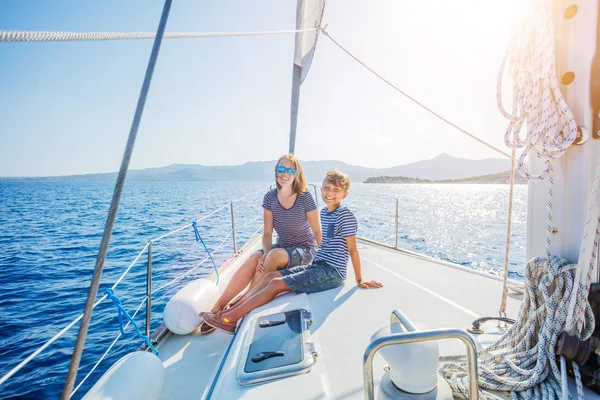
[(582, 136), (576, 350), (567, 78), (266, 355), (386, 367), (421, 336), (285, 349), (266, 323), (476, 328), (571, 11)]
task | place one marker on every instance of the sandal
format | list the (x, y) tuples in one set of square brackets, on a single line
[(215, 321), (205, 328)]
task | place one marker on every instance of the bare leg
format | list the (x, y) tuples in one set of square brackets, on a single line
[(266, 294), (239, 281), (277, 258), (268, 278)]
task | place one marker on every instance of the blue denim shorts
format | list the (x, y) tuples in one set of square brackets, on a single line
[(316, 277), (298, 255)]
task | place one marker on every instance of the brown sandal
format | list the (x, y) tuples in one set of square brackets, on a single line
[(215, 321), (205, 328)]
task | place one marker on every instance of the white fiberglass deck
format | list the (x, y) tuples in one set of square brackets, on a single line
[(432, 295)]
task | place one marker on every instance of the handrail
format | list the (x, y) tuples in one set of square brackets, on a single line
[(421, 336), (33, 355), (398, 316)]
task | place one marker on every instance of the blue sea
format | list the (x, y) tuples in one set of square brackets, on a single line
[(50, 233)]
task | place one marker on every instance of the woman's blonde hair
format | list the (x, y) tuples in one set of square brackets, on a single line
[(299, 184)]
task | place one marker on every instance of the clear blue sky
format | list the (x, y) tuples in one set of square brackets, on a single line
[(66, 108)]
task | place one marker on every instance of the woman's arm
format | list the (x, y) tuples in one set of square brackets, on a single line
[(315, 225), (353, 250), (267, 239)]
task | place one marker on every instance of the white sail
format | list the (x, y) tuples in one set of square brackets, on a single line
[(308, 16)]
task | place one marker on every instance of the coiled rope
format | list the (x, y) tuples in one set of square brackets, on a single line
[(537, 100), (523, 361)]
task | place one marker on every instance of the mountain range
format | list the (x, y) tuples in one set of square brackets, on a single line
[(441, 167)]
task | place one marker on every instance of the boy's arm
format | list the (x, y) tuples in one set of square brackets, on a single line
[(315, 225), (353, 250)]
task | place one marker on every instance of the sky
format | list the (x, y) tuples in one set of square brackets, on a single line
[(66, 108)]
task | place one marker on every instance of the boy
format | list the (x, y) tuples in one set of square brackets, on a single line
[(328, 269)]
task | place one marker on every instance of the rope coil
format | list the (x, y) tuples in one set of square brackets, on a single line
[(523, 360), (537, 100)]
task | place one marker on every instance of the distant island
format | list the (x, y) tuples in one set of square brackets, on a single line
[(499, 178)]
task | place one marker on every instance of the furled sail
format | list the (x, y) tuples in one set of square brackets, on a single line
[(308, 16)]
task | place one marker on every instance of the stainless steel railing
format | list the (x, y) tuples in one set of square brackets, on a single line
[(420, 336)]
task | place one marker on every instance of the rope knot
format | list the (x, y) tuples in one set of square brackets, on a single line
[(110, 294)]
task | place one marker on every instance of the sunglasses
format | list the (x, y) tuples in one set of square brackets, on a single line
[(281, 169)]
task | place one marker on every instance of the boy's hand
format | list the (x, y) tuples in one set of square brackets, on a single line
[(369, 284)]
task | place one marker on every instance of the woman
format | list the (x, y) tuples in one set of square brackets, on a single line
[(291, 211)]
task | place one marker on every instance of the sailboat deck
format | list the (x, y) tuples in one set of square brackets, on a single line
[(431, 294)]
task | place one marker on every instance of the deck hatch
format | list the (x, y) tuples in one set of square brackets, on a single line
[(275, 346)]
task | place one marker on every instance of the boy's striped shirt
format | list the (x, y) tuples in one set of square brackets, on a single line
[(336, 227)]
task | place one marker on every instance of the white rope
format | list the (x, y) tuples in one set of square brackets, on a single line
[(587, 253), (523, 360), (130, 266), (43, 36), (109, 348), (537, 100)]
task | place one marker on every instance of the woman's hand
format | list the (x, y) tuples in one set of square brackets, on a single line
[(260, 267)]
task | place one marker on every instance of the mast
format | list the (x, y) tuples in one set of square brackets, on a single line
[(309, 14)]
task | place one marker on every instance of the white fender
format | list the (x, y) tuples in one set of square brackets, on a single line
[(181, 312), (137, 376)]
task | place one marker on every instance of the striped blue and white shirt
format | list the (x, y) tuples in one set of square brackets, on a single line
[(336, 227), (291, 224)]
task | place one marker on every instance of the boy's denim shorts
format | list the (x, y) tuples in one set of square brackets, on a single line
[(316, 277), (298, 255)]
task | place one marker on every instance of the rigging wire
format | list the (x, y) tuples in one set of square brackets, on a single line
[(429, 110)]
